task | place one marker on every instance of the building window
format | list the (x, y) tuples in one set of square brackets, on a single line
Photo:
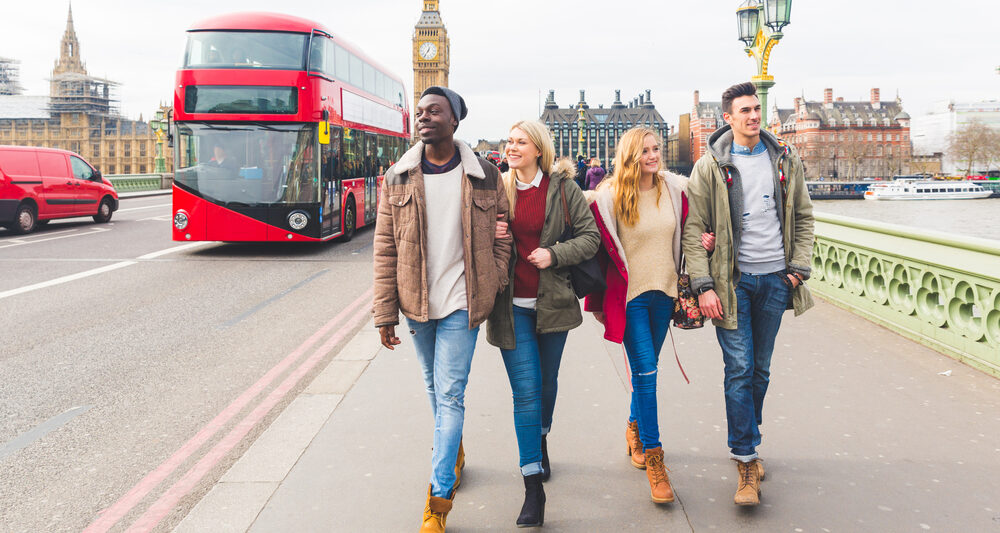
[(142, 148), (111, 169), (127, 169), (127, 150), (111, 149), (142, 169)]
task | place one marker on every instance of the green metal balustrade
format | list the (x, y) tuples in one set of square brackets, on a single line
[(936, 288), (136, 182)]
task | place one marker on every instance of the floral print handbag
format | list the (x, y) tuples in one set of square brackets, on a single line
[(687, 314)]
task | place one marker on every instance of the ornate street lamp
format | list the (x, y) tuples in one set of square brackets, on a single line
[(760, 23), (159, 128)]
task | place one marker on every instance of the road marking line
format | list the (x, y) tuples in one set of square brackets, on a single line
[(138, 208), (65, 279), (165, 504), (93, 231), (180, 248), (272, 299), (52, 424), (161, 218), (46, 234), (110, 516)]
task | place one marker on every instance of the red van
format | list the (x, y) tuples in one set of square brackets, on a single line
[(40, 184)]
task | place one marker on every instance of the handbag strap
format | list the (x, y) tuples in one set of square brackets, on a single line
[(562, 195), (677, 357)]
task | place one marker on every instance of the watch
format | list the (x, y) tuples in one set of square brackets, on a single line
[(705, 288)]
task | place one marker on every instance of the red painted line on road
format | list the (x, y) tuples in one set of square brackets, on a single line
[(161, 507), (110, 516)]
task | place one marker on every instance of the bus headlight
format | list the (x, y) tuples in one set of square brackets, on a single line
[(180, 220), (297, 220)]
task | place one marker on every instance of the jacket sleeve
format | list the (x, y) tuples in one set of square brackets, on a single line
[(502, 247), (386, 304), (699, 220), (585, 239), (801, 261)]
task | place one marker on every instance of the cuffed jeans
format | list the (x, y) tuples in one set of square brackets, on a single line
[(761, 299), (533, 371), (647, 318), (444, 348)]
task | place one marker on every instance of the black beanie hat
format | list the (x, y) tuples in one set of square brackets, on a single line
[(458, 109)]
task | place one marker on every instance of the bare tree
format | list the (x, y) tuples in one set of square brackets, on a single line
[(974, 143)]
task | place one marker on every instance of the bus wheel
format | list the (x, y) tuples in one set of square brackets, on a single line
[(103, 211), (350, 221), (25, 219)]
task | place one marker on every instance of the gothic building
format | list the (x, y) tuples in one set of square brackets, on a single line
[(601, 126), (431, 52), (81, 115)]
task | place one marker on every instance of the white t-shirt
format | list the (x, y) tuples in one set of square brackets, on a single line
[(445, 251)]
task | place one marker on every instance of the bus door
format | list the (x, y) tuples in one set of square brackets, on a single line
[(373, 168), (331, 171)]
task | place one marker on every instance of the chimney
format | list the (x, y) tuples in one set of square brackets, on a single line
[(827, 96), (642, 100), (696, 99), (798, 105), (618, 96), (875, 99), (649, 96)]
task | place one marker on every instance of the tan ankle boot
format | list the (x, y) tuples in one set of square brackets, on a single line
[(634, 445), (760, 468), (659, 484), (748, 487), (459, 466), (435, 513)]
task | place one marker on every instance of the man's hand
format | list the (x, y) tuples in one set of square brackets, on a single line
[(501, 230), (599, 316), (795, 281), (541, 258), (710, 304), (708, 241), (389, 338)]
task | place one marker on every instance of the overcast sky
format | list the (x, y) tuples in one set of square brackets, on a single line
[(505, 56)]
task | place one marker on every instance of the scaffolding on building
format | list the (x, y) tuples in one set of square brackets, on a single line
[(10, 74), (74, 92)]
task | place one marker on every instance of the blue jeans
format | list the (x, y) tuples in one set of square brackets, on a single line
[(761, 299), (647, 318), (444, 348), (533, 371)]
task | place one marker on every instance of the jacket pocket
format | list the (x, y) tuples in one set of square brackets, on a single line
[(485, 214), (404, 215)]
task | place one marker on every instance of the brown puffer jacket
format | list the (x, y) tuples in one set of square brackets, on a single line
[(401, 239)]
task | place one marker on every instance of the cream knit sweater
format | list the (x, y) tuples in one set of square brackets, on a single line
[(648, 246)]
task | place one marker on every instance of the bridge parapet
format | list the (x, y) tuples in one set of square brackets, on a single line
[(140, 182), (936, 288)]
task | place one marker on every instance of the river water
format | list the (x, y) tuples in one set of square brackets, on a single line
[(975, 218)]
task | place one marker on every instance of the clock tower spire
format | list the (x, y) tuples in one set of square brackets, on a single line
[(431, 54)]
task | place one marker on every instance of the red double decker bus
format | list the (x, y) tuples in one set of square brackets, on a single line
[(281, 132)]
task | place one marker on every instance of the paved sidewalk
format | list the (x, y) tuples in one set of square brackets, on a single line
[(861, 433)]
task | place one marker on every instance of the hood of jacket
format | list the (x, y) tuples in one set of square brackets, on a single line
[(720, 144), (412, 158)]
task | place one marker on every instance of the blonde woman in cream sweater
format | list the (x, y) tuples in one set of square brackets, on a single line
[(639, 212)]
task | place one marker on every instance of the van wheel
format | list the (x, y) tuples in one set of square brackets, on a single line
[(103, 211), (350, 221), (25, 219)]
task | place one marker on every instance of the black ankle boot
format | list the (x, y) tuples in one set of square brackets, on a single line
[(533, 510), (546, 469)]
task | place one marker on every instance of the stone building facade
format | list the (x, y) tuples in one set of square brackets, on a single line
[(602, 126), (81, 115)]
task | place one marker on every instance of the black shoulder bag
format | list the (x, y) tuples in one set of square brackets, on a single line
[(586, 277)]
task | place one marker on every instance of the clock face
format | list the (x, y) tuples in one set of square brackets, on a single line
[(428, 50)]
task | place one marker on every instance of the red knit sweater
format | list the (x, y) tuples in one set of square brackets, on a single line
[(529, 215)]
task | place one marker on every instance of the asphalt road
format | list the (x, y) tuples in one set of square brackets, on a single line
[(122, 355)]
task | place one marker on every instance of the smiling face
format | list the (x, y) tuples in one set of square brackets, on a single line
[(521, 151), (649, 161), (744, 117), (434, 121)]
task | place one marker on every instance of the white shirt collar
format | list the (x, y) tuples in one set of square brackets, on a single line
[(521, 186)]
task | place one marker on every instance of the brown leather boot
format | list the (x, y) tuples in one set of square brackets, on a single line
[(634, 445), (748, 487), (459, 466), (435, 513), (659, 484), (760, 468)]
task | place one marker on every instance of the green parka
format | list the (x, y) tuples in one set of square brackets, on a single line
[(557, 306), (712, 204)]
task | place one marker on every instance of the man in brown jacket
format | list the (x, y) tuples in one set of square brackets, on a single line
[(438, 261)]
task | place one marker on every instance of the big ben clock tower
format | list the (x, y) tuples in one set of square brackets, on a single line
[(430, 52)]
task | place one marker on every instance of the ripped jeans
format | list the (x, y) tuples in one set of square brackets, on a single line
[(444, 348), (647, 318)]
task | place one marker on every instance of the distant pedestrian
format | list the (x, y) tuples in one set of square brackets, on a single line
[(595, 174), (640, 211), (748, 190), (504, 165), (581, 172), (532, 316), (444, 279)]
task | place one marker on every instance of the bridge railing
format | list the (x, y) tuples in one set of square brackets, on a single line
[(140, 182), (939, 289)]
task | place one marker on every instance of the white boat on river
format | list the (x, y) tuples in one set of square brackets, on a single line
[(925, 190)]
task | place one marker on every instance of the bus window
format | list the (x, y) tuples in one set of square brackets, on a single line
[(371, 154), (352, 150), (357, 72), (317, 54), (342, 60), (232, 49), (331, 189)]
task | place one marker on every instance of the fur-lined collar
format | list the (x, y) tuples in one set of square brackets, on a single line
[(470, 164)]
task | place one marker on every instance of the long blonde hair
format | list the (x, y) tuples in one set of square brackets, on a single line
[(540, 137), (628, 171)]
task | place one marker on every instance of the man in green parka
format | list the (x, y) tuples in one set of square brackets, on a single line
[(748, 196)]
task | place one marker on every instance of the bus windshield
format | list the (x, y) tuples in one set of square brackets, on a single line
[(246, 49), (249, 163)]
